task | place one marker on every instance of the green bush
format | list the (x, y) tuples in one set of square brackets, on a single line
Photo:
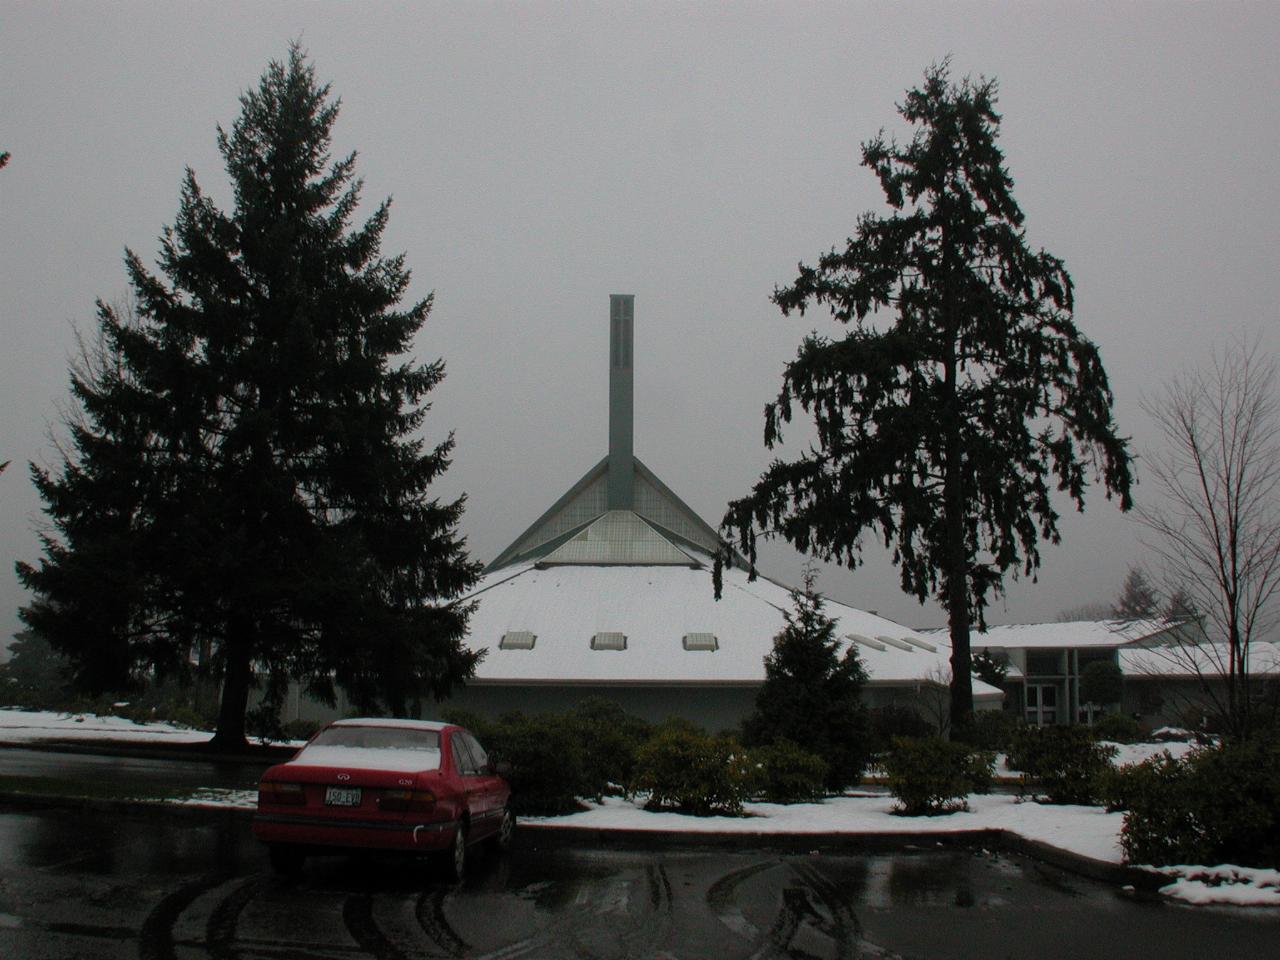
[(994, 730), (896, 720), (931, 776), (1118, 728), (692, 772), (1066, 762), (610, 738), (784, 773), (1220, 804), (547, 765)]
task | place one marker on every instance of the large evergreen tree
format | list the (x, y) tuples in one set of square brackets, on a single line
[(812, 693), (246, 487), (945, 428)]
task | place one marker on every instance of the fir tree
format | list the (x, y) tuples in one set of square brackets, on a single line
[(812, 695), (947, 431), (247, 472), (1138, 599)]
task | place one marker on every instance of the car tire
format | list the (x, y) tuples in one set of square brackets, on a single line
[(287, 860), (506, 830), (454, 860)]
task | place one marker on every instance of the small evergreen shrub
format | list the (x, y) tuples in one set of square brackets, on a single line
[(784, 773), (678, 767), (1066, 762), (1220, 804), (1117, 728), (896, 720), (547, 765), (931, 776), (812, 692)]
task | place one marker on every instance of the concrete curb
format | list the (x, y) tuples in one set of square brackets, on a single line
[(550, 835)]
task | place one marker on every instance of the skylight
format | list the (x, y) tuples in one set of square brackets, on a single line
[(701, 641), (609, 641), (517, 640)]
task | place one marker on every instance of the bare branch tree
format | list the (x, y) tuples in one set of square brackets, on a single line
[(1216, 528)]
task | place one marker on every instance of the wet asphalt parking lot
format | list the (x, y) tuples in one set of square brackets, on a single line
[(107, 885)]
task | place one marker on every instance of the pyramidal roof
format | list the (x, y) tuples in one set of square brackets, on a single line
[(619, 513)]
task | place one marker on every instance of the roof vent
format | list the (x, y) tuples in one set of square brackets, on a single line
[(701, 641), (866, 641), (609, 641), (895, 642), (517, 640)]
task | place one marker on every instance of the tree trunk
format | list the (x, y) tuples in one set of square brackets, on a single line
[(956, 572), (958, 617), (230, 735)]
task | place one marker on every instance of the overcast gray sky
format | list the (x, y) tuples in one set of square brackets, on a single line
[(542, 156)]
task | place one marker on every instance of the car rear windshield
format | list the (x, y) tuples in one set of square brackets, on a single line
[(378, 738)]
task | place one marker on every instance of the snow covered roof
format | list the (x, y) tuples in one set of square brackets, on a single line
[(656, 607), (1077, 633), (1181, 660)]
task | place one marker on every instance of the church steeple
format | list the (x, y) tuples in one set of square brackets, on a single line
[(621, 402), (618, 513)]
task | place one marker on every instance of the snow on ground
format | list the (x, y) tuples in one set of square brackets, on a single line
[(1127, 753), (218, 797), (1238, 886), (1087, 831), (24, 726)]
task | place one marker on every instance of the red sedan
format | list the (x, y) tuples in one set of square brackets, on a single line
[(361, 784)]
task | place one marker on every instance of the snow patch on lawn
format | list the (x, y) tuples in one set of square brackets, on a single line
[(29, 726), (1087, 831), (1229, 884), (1128, 753), (216, 797), (25, 726)]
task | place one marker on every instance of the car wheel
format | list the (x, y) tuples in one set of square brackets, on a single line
[(455, 864), (506, 830), (287, 860)]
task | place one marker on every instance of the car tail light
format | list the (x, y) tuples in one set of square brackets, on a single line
[(281, 793), (402, 800)]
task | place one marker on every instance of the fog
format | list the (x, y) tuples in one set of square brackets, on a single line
[(543, 156)]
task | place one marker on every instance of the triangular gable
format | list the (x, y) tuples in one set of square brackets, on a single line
[(660, 506), (587, 501), (618, 537)]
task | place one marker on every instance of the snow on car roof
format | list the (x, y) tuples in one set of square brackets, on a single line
[(391, 759), (390, 722)]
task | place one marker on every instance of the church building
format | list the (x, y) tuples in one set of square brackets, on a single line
[(609, 593)]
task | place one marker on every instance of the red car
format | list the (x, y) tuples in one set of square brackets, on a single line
[(361, 784)]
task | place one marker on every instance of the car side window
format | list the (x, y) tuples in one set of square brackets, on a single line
[(477, 753), (462, 759)]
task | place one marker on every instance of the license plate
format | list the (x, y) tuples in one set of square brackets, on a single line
[(342, 796)]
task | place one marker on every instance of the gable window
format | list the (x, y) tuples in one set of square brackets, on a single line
[(700, 641), (517, 640), (609, 641)]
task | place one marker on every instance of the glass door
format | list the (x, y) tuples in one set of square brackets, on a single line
[(1042, 704)]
